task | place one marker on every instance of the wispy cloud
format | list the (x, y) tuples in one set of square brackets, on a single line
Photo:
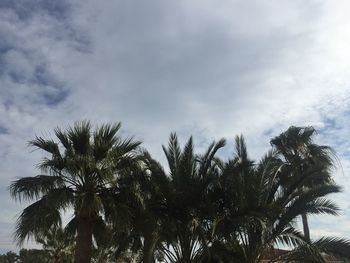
[(205, 68)]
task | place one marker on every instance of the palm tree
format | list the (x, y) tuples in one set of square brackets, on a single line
[(297, 147), (179, 201), (58, 246), (261, 202), (113, 242), (149, 220), (81, 172)]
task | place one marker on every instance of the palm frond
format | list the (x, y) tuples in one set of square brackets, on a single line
[(304, 253), (36, 219), (318, 250), (290, 237), (208, 158), (29, 188), (334, 246), (241, 150), (79, 135), (63, 138), (187, 164), (299, 207), (107, 133), (323, 206), (172, 153), (47, 145)]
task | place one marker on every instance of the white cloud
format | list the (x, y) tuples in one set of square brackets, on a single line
[(205, 68)]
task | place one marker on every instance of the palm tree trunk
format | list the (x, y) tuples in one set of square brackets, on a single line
[(150, 241), (148, 252), (55, 259), (306, 227), (186, 246), (83, 249)]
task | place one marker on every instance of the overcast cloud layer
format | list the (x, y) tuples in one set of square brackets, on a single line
[(208, 68)]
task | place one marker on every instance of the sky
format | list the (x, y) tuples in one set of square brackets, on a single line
[(205, 68)]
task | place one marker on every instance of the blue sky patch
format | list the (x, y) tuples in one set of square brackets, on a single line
[(56, 97), (26, 8), (3, 130)]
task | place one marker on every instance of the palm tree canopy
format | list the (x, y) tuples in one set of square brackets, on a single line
[(297, 146), (80, 171)]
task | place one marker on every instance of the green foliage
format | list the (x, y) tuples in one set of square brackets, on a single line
[(57, 245), (33, 256), (25, 256), (9, 257), (199, 209)]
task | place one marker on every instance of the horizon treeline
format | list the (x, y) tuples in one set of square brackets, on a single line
[(127, 207)]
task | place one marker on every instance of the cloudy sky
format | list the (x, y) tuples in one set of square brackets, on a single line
[(208, 68)]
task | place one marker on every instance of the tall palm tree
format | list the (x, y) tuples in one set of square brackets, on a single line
[(261, 202), (81, 171), (297, 147)]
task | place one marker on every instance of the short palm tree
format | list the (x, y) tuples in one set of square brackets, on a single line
[(81, 172), (182, 198), (114, 241), (58, 246)]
